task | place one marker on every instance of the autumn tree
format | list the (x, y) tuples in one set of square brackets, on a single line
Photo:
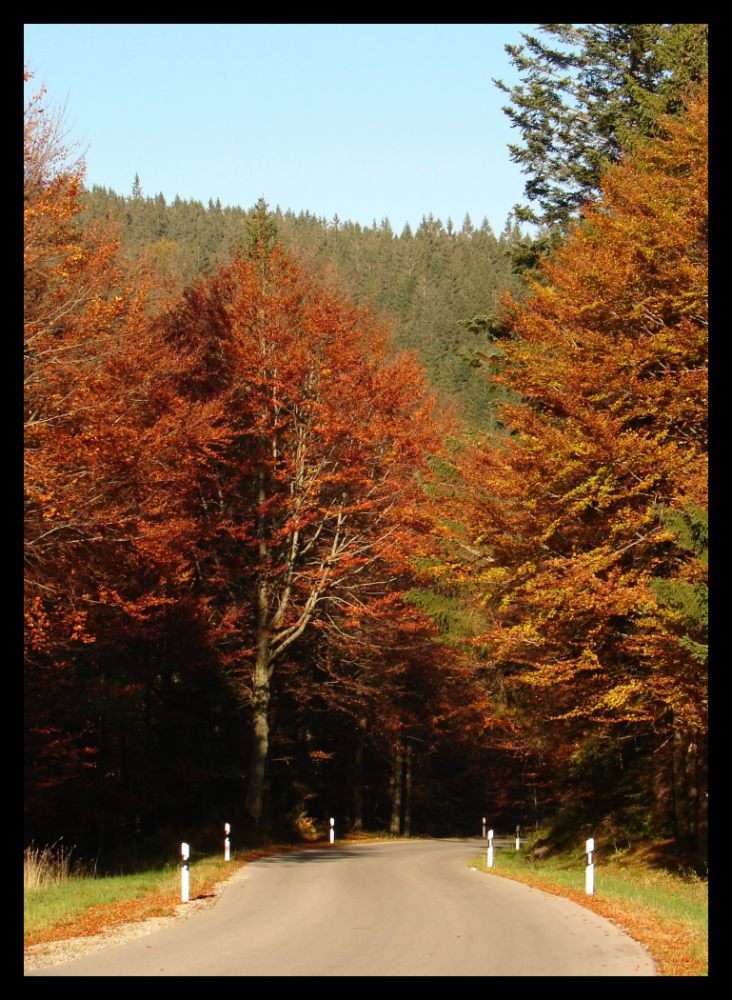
[(85, 316), (313, 479), (78, 306), (92, 591), (591, 514), (380, 698), (237, 471)]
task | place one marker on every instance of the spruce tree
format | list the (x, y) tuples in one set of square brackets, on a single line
[(261, 229), (585, 93)]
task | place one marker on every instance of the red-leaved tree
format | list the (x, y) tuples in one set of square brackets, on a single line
[(309, 477)]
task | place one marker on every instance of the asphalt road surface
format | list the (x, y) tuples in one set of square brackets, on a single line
[(412, 908)]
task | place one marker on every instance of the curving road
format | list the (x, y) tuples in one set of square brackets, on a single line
[(411, 908)]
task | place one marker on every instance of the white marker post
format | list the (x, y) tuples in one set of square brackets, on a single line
[(490, 849), (185, 853), (483, 834), (332, 830), (518, 839), (227, 842), (590, 869)]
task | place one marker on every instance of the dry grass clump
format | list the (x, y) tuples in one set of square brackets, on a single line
[(45, 866)]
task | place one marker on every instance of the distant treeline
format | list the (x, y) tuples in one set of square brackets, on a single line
[(438, 286)]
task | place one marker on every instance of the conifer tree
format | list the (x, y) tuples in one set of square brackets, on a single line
[(587, 91), (261, 229)]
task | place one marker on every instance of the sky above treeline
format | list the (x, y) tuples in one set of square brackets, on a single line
[(362, 121)]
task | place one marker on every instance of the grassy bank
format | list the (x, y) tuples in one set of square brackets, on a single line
[(80, 905), (61, 902), (665, 911)]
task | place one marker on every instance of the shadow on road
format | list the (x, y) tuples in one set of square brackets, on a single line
[(341, 852), (299, 857)]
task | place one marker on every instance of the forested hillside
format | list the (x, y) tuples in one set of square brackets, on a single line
[(321, 520), (438, 287)]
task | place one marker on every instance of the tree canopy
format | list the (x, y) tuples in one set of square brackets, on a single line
[(320, 519), (593, 509), (587, 92)]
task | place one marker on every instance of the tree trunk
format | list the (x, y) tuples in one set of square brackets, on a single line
[(681, 796), (408, 792), (260, 716), (661, 781), (262, 674), (357, 818), (102, 764), (259, 749), (702, 823), (396, 790), (695, 783), (692, 786)]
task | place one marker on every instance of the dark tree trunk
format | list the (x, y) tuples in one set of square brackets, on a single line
[(662, 787), (408, 791), (357, 802), (396, 790), (259, 751), (682, 823), (260, 716), (702, 824)]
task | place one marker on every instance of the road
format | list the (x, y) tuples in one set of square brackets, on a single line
[(411, 908)]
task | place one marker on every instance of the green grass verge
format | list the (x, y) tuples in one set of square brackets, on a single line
[(628, 884), (83, 904), (63, 903)]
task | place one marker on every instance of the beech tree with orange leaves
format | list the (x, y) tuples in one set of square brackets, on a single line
[(591, 509), (313, 480), (85, 315), (97, 377), (80, 308), (245, 464)]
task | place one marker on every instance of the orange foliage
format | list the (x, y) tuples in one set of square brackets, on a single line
[(80, 312), (284, 445), (608, 355), (249, 451), (303, 474), (86, 339)]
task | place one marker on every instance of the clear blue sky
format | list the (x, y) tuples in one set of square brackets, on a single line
[(362, 120)]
